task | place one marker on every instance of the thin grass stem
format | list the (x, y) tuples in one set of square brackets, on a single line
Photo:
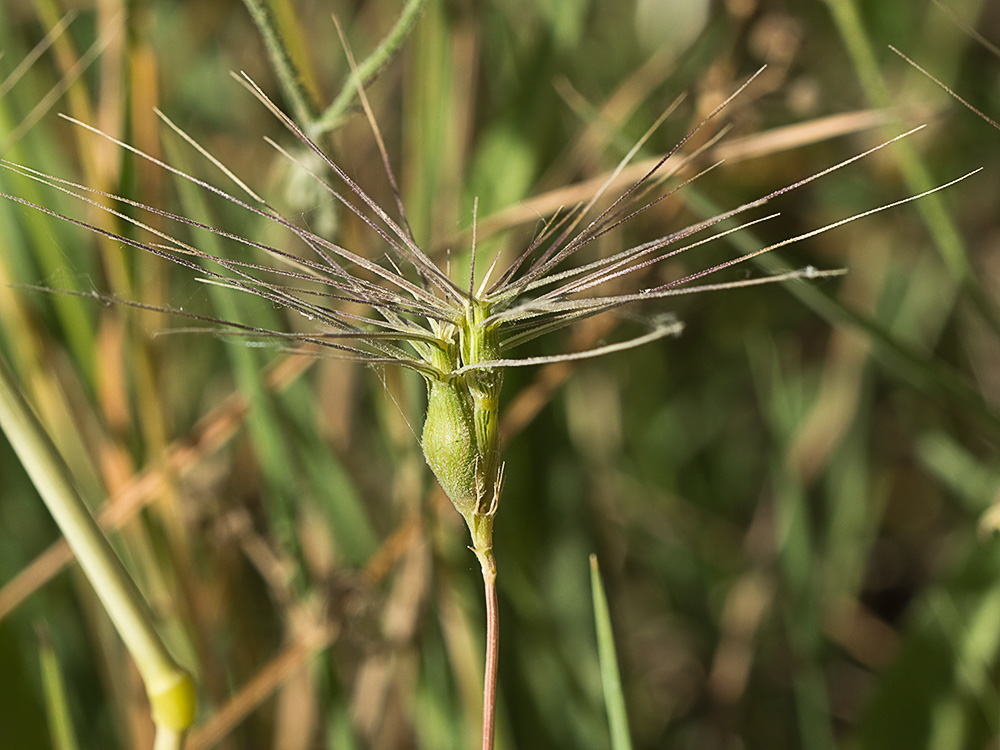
[(56, 699), (281, 60), (492, 650), (333, 116)]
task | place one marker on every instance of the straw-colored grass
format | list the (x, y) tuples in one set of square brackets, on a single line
[(791, 502)]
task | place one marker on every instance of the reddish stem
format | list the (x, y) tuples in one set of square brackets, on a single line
[(492, 649)]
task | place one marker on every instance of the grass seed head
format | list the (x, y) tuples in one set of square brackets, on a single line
[(459, 438), (460, 339)]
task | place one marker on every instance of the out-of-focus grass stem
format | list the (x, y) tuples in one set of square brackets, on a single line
[(935, 215), (169, 687), (331, 118), (56, 702), (281, 60), (292, 78)]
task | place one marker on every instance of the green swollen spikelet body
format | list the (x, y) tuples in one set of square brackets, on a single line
[(459, 440), (449, 443)]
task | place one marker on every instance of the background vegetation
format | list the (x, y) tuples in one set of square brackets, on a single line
[(792, 502)]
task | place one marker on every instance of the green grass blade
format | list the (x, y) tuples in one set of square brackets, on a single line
[(847, 20), (56, 704), (614, 699), (169, 687)]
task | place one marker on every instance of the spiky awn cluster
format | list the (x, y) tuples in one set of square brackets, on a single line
[(458, 338)]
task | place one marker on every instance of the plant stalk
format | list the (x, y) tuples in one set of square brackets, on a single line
[(169, 687), (482, 536), (369, 68), (492, 649), (281, 60)]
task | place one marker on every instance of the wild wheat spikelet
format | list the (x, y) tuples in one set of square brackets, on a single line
[(459, 440)]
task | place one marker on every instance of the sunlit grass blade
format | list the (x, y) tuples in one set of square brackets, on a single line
[(170, 688), (614, 697)]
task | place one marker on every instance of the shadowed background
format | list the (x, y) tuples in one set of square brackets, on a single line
[(791, 502)]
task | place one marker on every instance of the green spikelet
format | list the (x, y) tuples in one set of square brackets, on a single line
[(449, 442), (460, 441)]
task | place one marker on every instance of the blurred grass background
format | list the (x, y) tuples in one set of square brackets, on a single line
[(792, 503)]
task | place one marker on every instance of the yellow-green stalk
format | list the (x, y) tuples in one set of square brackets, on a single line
[(169, 687)]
